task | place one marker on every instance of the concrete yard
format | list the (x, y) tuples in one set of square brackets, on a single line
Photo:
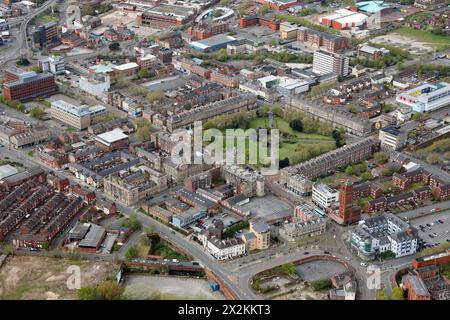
[(321, 269), (268, 207), (143, 287)]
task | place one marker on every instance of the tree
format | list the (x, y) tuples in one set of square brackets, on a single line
[(143, 73), (397, 293), (217, 13), (36, 69), (417, 116), (142, 129), (131, 253), (36, 113), (365, 176), (221, 55), (114, 46), (288, 269), (156, 96), (87, 293), (296, 125), (284, 163), (265, 8), (380, 157), (150, 229), (433, 158), (109, 290), (133, 223), (349, 170), (9, 249), (382, 295), (320, 285)]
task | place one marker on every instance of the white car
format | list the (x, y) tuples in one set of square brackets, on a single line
[(362, 264)]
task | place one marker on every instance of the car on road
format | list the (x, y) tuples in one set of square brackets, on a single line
[(173, 232), (306, 253), (362, 264), (347, 258), (326, 252), (431, 236), (428, 225)]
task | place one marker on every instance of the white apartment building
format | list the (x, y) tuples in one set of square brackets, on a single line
[(383, 233), (95, 85), (53, 64), (392, 138), (79, 117), (225, 249), (323, 196), (325, 62)]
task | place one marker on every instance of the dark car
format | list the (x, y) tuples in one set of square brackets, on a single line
[(327, 252), (306, 253)]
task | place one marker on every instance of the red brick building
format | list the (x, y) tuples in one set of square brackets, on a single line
[(348, 212), (405, 180), (322, 40), (28, 86), (416, 288), (250, 21), (279, 5), (226, 80), (206, 30)]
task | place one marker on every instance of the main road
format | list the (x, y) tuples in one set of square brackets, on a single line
[(21, 45)]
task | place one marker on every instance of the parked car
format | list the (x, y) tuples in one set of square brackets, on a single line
[(306, 253)]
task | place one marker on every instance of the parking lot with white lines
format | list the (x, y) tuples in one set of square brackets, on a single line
[(434, 229)]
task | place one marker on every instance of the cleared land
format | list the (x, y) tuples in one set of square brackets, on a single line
[(43, 278), (416, 41), (146, 287)]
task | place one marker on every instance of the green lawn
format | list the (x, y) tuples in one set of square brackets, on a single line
[(292, 142), (442, 42), (47, 17)]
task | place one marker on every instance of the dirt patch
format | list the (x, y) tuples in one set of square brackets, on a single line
[(44, 278), (404, 42)]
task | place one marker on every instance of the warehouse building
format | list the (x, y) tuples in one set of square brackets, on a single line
[(344, 19), (212, 44), (426, 97)]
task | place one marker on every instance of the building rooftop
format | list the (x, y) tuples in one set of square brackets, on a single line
[(7, 171), (126, 66), (372, 6), (93, 237), (112, 136), (79, 111)]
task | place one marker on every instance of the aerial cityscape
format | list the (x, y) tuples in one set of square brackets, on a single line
[(224, 150)]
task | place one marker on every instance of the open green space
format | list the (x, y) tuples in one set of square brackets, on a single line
[(441, 42), (292, 142)]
